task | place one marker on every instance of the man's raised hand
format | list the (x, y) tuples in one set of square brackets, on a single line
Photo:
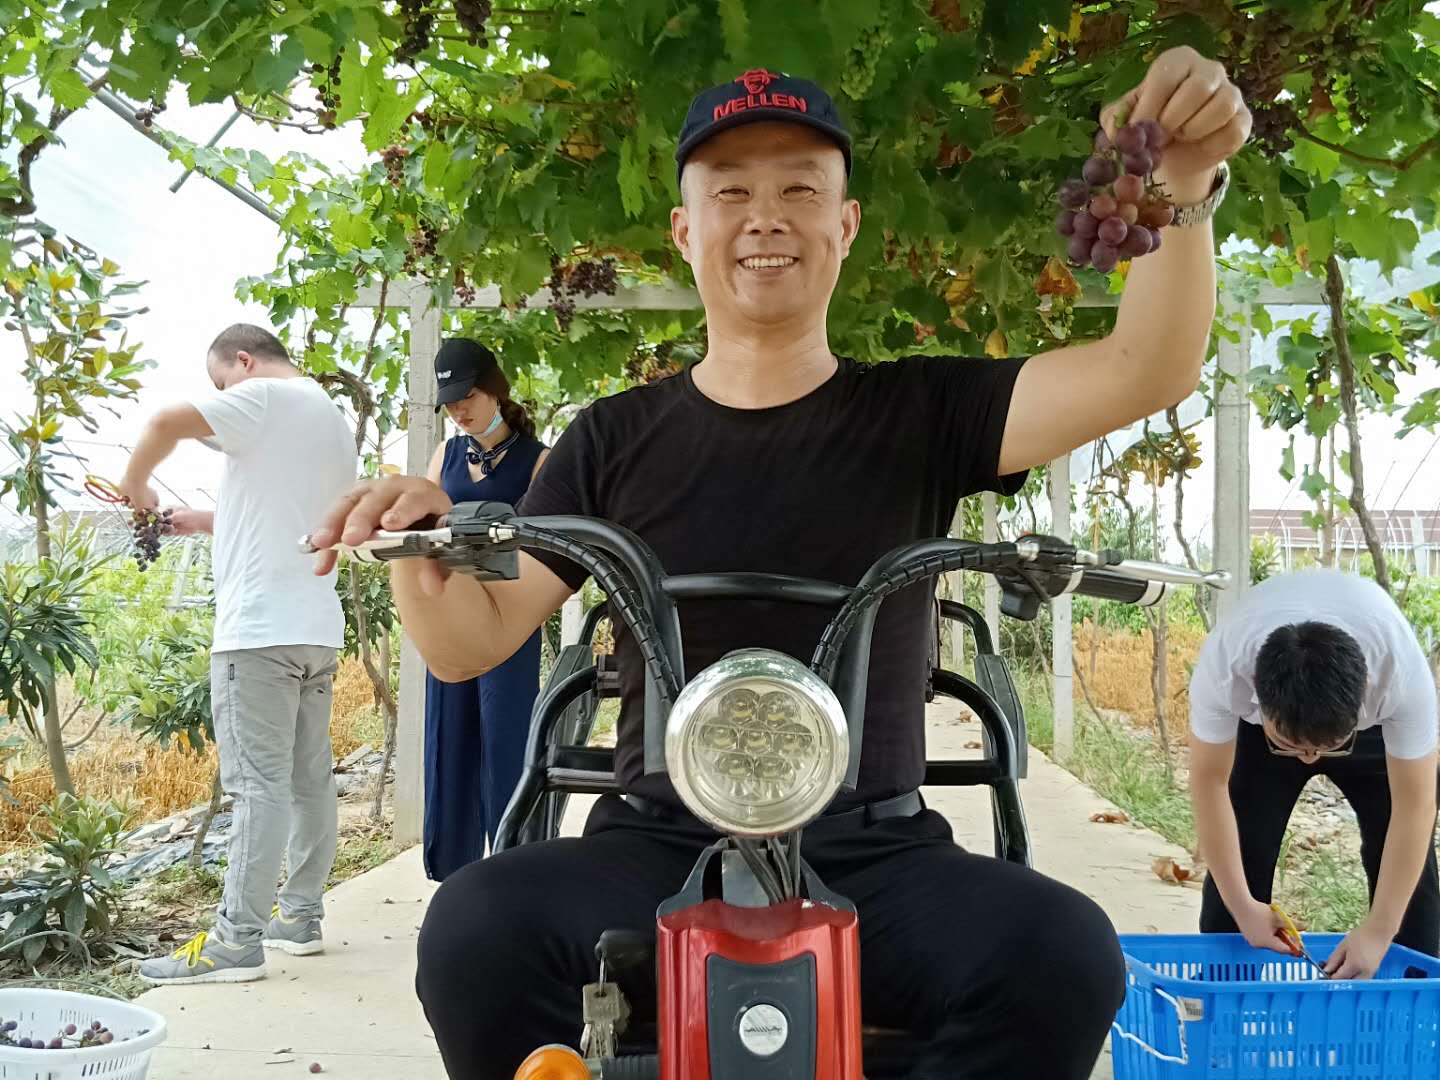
[(1201, 109)]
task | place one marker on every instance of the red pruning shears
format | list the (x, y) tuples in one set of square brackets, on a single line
[(100, 488), (1290, 935)]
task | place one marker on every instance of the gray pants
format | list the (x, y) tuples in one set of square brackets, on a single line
[(272, 728)]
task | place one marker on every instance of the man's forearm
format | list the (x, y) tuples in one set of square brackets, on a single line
[(1219, 840), (1162, 328), (157, 442), (1407, 845), (448, 630)]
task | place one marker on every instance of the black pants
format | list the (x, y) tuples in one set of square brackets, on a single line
[(1005, 973), (1264, 788)]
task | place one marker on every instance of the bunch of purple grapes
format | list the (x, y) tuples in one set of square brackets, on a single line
[(585, 278), (1116, 211), (148, 527), (472, 16), (70, 1037)]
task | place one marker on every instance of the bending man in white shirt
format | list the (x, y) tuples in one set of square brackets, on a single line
[(1316, 674), (289, 453)]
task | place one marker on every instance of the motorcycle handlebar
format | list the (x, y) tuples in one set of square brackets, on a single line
[(1143, 570), (1126, 581), (1110, 585), (483, 539)]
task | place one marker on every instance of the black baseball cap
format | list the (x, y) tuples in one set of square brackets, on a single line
[(756, 96), (458, 364)]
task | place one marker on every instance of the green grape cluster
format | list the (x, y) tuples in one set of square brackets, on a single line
[(863, 59)]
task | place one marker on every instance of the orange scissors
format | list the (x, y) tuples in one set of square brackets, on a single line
[(103, 489), (1290, 935)]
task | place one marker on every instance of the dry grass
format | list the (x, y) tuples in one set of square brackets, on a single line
[(158, 782), (364, 845), (1122, 665), (114, 765), (355, 720)]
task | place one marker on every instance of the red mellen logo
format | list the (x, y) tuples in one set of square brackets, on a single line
[(755, 97), (756, 80)]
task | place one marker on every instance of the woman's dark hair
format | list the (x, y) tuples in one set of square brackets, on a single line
[(494, 383), (1310, 682)]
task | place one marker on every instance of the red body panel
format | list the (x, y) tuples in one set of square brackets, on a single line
[(687, 938)]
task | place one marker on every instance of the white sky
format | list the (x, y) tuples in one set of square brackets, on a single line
[(108, 186)]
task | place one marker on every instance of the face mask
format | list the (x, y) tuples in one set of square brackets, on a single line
[(494, 424)]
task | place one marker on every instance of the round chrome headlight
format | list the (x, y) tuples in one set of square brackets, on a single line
[(757, 744)]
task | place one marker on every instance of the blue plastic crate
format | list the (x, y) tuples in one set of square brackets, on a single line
[(1209, 1005)]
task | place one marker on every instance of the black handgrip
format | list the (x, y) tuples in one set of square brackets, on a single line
[(1108, 585), (1022, 593)]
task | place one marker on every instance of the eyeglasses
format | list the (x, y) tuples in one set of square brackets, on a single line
[(1342, 749)]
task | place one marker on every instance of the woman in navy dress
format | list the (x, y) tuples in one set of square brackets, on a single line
[(475, 730)]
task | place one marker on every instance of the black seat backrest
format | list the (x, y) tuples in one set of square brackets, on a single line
[(992, 675), (568, 764), (573, 658)]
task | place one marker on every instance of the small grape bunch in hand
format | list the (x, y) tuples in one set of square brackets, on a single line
[(148, 527), (1115, 210)]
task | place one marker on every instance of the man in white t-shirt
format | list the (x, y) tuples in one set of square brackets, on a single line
[(1316, 674), (289, 453)]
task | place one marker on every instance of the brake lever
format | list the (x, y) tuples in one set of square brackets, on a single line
[(465, 540), (384, 545)]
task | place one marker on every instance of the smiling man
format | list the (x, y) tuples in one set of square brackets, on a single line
[(774, 455), (1316, 674)]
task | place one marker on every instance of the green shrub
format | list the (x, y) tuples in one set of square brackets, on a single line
[(167, 684), (45, 626), (67, 905)]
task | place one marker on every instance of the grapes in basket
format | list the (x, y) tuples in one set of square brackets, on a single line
[(69, 1037), (1114, 210)]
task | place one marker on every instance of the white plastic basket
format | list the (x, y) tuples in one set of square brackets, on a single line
[(43, 1013)]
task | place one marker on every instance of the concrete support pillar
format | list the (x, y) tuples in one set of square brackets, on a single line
[(422, 438)]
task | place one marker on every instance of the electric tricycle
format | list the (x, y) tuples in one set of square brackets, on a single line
[(752, 972)]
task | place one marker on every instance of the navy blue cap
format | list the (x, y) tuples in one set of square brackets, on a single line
[(757, 96), (458, 364)]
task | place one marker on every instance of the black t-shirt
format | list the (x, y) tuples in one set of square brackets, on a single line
[(875, 457)]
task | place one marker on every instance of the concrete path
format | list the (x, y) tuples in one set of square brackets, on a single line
[(1111, 863), (353, 1011)]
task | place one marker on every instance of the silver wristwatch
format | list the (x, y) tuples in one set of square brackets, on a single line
[(1204, 211)]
